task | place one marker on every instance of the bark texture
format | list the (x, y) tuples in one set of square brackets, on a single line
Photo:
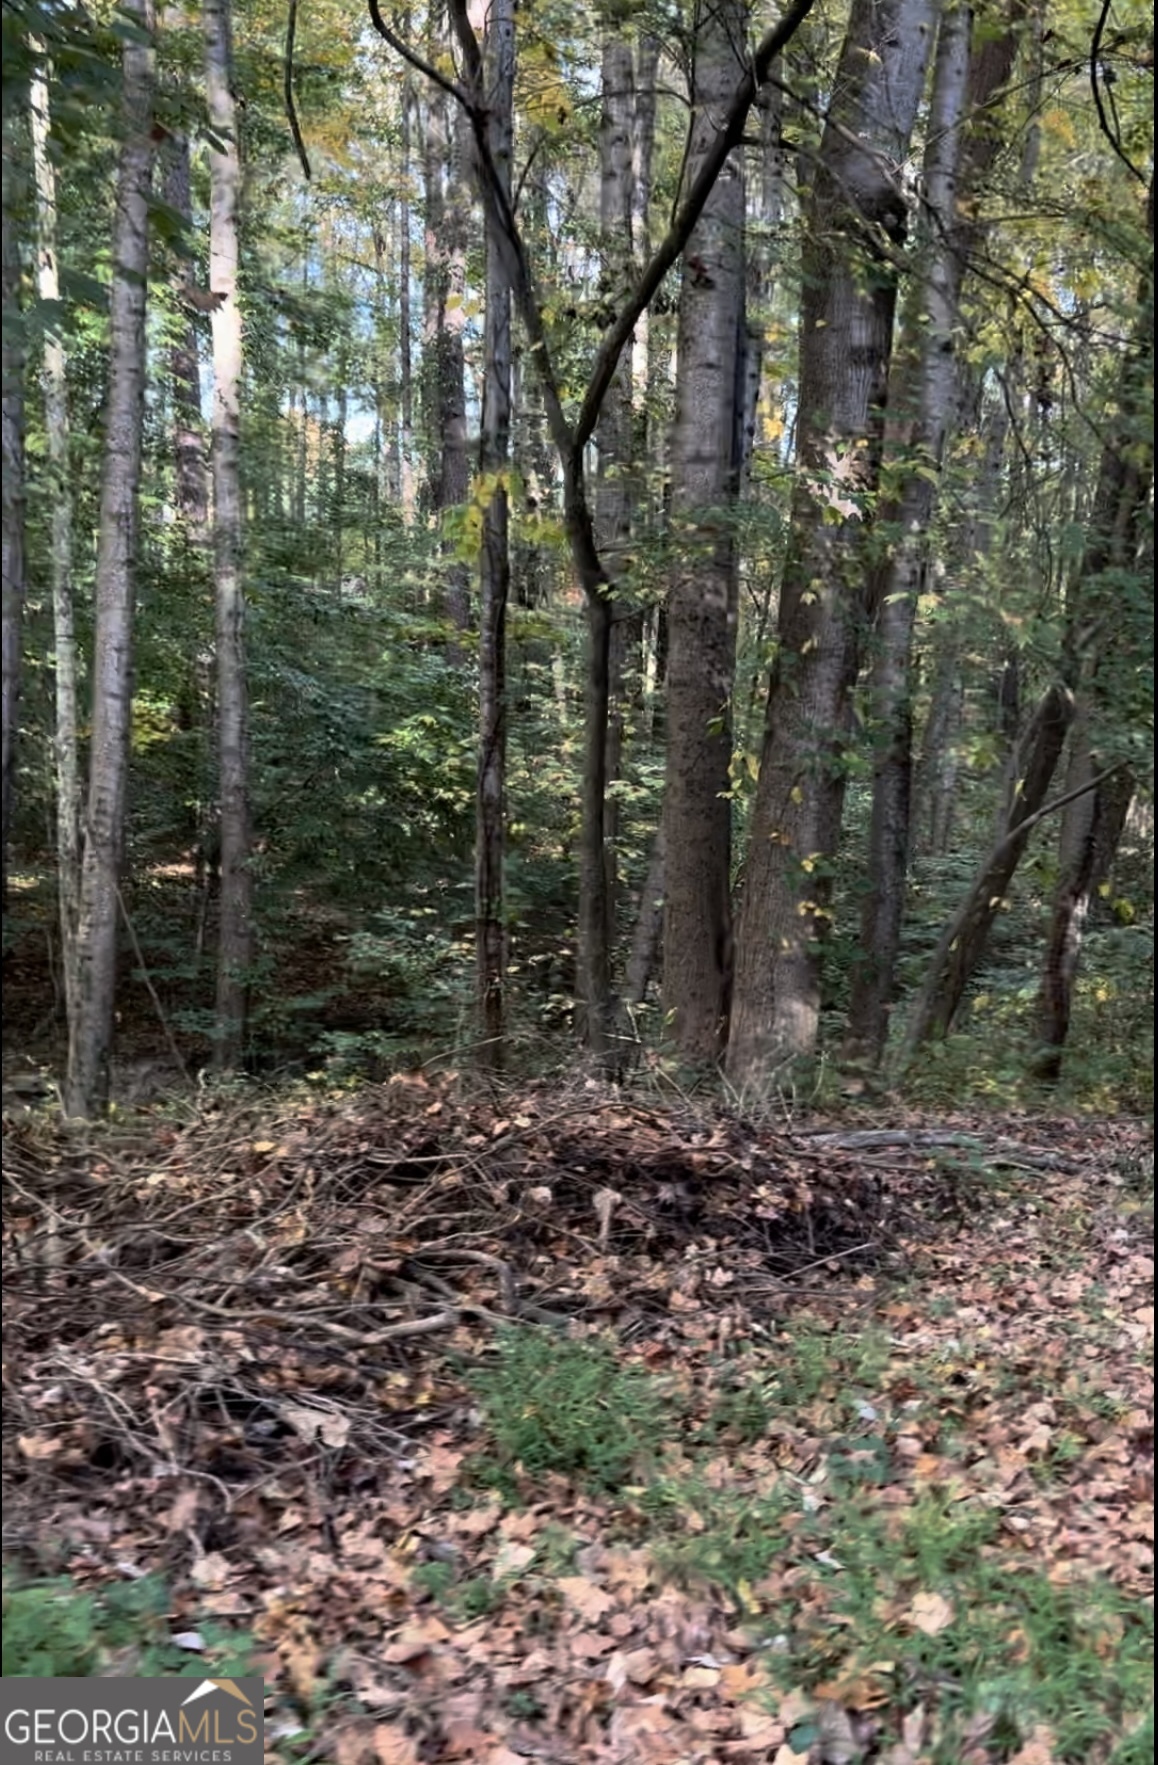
[(922, 401), (13, 510), (66, 669), (90, 1032), (964, 940), (495, 561), (614, 430), (855, 216), (235, 926), (705, 466)]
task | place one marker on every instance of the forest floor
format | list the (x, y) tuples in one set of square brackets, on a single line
[(567, 1426)]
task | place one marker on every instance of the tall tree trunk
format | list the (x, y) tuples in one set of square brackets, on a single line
[(495, 561), (14, 499), (613, 433), (235, 907), (405, 361), (705, 461), (922, 402), (90, 1032), (571, 439), (1092, 824), (966, 937), (855, 218), (66, 665), (192, 478), (446, 159)]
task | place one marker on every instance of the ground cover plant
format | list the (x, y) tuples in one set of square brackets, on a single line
[(566, 1425)]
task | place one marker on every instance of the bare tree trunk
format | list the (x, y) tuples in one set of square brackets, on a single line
[(192, 479), (571, 439), (235, 929), (405, 361), (855, 216), (495, 560), (921, 402), (447, 157), (1091, 828), (66, 667), (702, 605), (90, 1033), (613, 433), (1093, 824), (14, 499), (965, 938), (648, 933)]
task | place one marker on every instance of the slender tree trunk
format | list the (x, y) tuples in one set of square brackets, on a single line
[(702, 604), (235, 929), (921, 403), (965, 939), (192, 478), (613, 433), (855, 218), (14, 499), (1091, 828), (447, 156), (405, 361), (66, 666), (90, 1033), (571, 439), (495, 571), (1092, 825)]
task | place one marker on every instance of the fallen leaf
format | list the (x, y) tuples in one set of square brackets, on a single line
[(393, 1746), (590, 1601), (930, 1613)]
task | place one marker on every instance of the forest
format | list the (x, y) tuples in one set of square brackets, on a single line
[(622, 537), (578, 903)]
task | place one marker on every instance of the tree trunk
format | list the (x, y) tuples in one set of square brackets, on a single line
[(495, 562), (235, 929), (855, 218), (1092, 824), (965, 938), (1091, 828), (613, 433), (90, 1032), (921, 401), (447, 155), (66, 666), (702, 604), (14, 500)]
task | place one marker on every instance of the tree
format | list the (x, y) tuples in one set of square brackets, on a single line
[(94, 986), (705, 466), (571, 436), (13, 496), (855, 218), (1093, 820), (495, 558), (235, 927), (923, 399), (66, 654)]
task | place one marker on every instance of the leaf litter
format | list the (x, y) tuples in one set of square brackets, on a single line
[(247, 1351)]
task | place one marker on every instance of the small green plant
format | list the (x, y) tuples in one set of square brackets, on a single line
[(569, 1407), (55, 1630)]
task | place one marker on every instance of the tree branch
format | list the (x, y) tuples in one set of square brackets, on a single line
[(418, 62), (730, 134), (1113, 136)]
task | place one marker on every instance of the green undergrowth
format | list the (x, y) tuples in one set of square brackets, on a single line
[(54, 1629), (826, 1566)]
